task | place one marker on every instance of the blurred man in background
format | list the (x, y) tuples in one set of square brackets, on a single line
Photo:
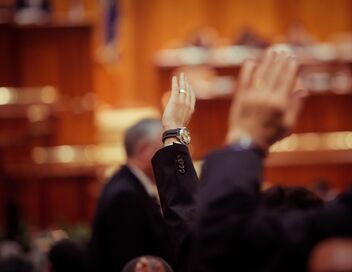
[(128, 221)]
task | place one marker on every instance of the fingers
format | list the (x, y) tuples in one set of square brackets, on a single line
[(246, 75), (276, 70), (276, 73), (182, 89), (297, 99), (288, 76), (188, 94), (299, 86), (182, 81), (193, 99), (174, 87), (179, 109), (264, 70)]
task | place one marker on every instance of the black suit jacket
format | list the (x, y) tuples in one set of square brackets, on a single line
[(227, 225), (128, 223), (234, 230), (177, 184)]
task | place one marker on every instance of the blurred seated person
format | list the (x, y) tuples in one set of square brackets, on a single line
[(297, 35), (324, 190), (16, 264), (205, 37), (332, 255), (13, 259), (29, 11), (201, 37), (224, 222), (128, 222), (283, 198), (248, 37), (147, 264), (68, 256)]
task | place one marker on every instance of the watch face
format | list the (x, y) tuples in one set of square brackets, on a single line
[(184, 136)]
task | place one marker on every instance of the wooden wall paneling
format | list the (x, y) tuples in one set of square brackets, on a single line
[(31, 202), (158, 22), (146, 26), (208, 126), (230, 17), (38, 56), (68, 201), (324, 17), (54, 201), (337, 175), (62, 201), (60, 56), (326, 113), (2, 204), (7, 56)]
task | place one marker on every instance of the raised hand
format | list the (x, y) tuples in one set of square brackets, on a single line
[(180, 106), (265, 106)]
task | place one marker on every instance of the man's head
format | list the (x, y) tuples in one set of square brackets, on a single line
[(142, 140), (66, 256)]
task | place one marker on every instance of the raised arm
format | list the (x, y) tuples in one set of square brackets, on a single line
[(175, 175), (263, 109)]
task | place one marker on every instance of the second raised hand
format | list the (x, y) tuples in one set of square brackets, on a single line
[(262, 108)]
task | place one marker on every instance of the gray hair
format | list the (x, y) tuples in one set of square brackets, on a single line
[(144, 130)]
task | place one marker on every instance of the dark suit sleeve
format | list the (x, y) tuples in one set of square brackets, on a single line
[(229, 193), (177, 183)]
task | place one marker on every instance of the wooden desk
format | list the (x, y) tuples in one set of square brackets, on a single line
[(322, 113)]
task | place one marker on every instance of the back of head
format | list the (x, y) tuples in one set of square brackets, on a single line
[(147, 264), (12, 258), (16, 264), (145, 131), (290, 198), (66, 256), (333, 255), (274, 197), (302, 199)]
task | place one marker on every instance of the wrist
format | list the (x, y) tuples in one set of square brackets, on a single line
[(170, 126), (179, 135), (247, 139), (170, 141)]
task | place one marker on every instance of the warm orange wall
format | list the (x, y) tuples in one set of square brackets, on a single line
[(147, 25)]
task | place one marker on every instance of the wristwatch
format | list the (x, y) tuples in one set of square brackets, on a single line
[(181, 133)]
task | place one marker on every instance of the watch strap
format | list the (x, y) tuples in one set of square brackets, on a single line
[(170, 133)]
